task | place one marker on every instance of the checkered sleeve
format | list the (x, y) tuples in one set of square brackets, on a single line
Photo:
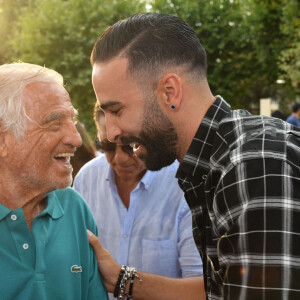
[(256, 221)]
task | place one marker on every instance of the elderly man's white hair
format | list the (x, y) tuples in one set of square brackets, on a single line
[(13, 79)]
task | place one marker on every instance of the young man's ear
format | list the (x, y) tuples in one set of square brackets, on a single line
[(169, 91)]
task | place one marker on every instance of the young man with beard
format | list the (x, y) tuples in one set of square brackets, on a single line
[(140, 222), (240, 173), (44, 249)]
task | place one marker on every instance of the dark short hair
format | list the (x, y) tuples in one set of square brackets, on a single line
[(151, 41), (296, 107)]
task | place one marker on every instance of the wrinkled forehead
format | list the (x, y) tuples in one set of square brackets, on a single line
[(43, 96)]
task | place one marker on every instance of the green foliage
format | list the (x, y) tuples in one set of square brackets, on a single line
[(9, 14), (61, 34), (250, 43), (243, 41), (221, 30), (290, 55)]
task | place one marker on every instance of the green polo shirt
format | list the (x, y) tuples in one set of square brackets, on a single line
[(54, 259)]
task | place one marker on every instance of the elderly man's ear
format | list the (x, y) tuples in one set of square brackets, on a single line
[(3, 145)]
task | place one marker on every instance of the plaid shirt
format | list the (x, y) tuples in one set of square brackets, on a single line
[(241, 179)]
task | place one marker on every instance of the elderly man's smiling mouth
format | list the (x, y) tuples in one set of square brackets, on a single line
[(64, 157)]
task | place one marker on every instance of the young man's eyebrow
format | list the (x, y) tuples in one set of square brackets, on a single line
[(108, 104)]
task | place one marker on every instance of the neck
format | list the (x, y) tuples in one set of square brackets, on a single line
[(33, 209), (195, 107), (14, 196), (126, 185)]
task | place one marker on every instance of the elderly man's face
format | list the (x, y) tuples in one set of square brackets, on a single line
[(42, 159)]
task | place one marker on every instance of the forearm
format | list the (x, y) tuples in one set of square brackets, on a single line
[(152, 286), (164, 288)]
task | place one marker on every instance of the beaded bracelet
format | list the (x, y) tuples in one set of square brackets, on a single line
[(117, 286), (131, 286), (126, 273)]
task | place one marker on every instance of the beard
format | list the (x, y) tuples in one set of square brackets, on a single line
[(158, 136)]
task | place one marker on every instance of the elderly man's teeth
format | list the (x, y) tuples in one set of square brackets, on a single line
[(64, 155)]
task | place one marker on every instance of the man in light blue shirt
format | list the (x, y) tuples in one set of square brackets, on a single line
[(142, 217), (44, 250)]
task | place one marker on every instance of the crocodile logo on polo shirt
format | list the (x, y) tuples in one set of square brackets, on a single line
[(76, 269)]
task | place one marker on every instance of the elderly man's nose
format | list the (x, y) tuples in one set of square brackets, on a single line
[(72, 136)]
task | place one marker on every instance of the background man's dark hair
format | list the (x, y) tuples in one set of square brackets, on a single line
[(98, 112), (296, 107), (151, 41)]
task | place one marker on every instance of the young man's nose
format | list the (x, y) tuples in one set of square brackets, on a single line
[(112, 130)]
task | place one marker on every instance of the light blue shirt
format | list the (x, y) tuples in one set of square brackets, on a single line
[(53, 260), (155, 233)]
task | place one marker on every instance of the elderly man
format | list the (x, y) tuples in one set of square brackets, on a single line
[(240, 173), (44, 248), (136, 214)]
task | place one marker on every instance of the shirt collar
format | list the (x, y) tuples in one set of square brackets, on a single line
[(4, 211), (110, 174), (53, 207), (196, 160), (147, 179)]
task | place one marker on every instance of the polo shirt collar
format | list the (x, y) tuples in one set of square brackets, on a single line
[(196, 160), (53, 207), (4, 211)]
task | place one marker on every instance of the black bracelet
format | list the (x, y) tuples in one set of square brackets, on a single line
[(131, 286), (117, 286)]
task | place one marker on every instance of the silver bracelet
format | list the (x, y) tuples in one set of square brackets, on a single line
[(128, 273)]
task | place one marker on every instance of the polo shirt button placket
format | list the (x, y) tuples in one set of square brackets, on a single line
[(13, 217)]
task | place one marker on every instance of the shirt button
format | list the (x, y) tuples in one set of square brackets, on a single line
[(25, 246), (125, 236), (14, 217)]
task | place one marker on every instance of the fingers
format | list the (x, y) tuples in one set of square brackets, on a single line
[(107, 266), (93, 240), (95, 243)]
